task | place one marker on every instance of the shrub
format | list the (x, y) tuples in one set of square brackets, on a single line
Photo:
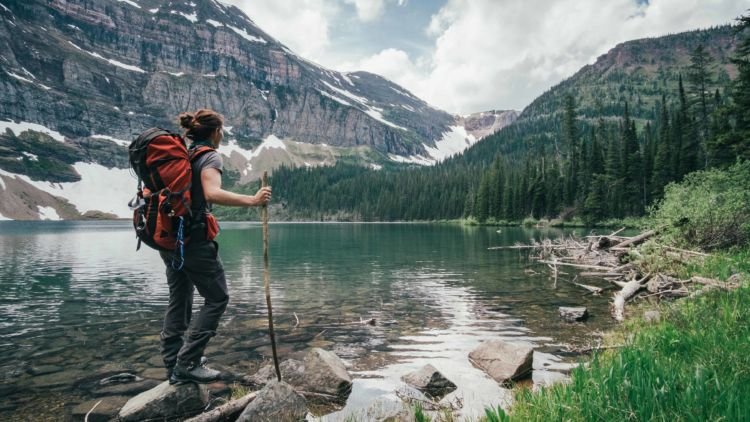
[(710, 209)]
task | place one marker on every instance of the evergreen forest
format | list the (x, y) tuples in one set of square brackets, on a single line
[(571, 156)]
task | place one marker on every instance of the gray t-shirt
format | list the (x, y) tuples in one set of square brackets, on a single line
[(207, 160)]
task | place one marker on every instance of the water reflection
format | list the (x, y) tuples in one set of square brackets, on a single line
[(78, 298)]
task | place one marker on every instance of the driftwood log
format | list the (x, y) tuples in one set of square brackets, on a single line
[(600, 257), (226, 412), (632, 287)]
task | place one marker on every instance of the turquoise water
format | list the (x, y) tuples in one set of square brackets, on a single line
[(77, 297)]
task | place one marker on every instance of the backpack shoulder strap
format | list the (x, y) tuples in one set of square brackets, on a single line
[(198, 151)]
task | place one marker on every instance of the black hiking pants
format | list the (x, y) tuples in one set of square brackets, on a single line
[(203, 271)]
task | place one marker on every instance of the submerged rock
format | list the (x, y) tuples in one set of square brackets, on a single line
[(166, 401), (502, 360), (277, 401), (573, 314), (430, 381)]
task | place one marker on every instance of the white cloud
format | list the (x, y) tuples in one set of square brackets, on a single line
[(492, 54), (302, 25), (368, 10), (485, 54)]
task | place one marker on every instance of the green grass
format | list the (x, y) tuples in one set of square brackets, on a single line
[(692, 366)]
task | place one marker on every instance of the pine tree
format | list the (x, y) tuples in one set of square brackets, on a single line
[(689, 145), (662, 173), (633, 168), (699, 78)]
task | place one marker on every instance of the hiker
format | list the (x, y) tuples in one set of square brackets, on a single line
[(202, 268)]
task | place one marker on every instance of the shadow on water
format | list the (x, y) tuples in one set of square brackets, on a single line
[(78, 301)]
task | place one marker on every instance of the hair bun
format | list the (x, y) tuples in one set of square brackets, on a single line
[(187, 120)]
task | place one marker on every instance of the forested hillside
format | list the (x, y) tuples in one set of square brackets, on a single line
[(601, 144)]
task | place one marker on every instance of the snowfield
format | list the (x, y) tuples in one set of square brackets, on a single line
[(100, 189), (19, 128)]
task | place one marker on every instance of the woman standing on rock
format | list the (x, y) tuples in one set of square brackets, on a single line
[(202, 269)]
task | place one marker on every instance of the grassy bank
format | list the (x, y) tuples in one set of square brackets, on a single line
[(694, 365)]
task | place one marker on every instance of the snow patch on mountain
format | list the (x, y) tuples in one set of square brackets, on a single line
[(110, 61), (214, 23), (19, 128), (376, 113), (48, 213), (453, 141), (413, 159), (193, 17), (231, 146), (335, 98), (243, 33), (345, 93), (30, 156), (110, 138), (100, 188), (130, 2)]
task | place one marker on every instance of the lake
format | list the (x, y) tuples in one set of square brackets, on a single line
[(77, 298)]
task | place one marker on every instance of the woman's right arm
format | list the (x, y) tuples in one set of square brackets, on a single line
[(211, 182)]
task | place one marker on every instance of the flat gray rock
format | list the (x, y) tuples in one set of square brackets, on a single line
[(165, 401), (321, 376), (504, 361), (429, 381), (573, 314), (277, 401)]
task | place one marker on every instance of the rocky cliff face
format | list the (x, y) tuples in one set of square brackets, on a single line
[(81, 77), (488, 122), (85, 67)]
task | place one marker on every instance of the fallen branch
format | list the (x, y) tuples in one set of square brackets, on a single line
[(630, 288), (590, 267), (226, 412), (86, 418), (636, 240), (593, 289)]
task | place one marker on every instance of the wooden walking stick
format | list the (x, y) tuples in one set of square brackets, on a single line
[(266, 276)]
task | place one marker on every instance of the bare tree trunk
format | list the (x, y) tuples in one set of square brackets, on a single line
[(630, 288)]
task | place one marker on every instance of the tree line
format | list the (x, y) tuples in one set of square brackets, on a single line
[(566, 166)]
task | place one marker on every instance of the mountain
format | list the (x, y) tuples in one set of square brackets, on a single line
[(556, 160), (636, 72), (81, 77)]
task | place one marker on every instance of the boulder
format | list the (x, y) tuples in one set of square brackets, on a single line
[(104, 411), (573, 314), (502, 360), (325, 373), (321, 375), (389, 408), (429, 381), (166, 401), (277, 401)]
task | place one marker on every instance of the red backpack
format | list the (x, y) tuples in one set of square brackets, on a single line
[(161, 208)]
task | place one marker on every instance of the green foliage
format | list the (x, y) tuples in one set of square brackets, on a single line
[(709, 209), (495, 415), (691, 366), (419, 415)]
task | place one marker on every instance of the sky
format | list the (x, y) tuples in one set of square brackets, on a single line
[(466, 56)]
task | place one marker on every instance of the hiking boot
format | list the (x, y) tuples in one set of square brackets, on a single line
[(170, 368), (196, 373)]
